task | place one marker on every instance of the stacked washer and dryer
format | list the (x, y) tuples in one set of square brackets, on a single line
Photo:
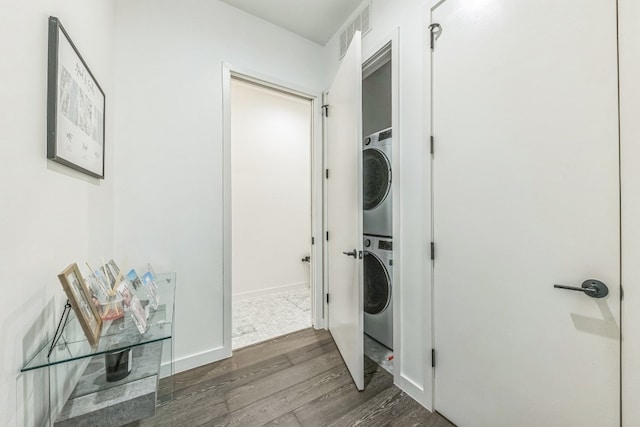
[(378, 242)]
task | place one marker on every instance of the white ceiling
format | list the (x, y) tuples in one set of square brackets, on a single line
[(316, 20)]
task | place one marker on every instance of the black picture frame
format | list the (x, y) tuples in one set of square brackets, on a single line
[(75, 107)]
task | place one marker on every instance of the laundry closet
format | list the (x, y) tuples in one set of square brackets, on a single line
[(377, 216)]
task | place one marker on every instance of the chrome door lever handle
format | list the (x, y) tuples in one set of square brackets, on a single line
[(592, 287), (353, 253)]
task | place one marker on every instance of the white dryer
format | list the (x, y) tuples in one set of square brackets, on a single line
[(377, 197), (378, 304)]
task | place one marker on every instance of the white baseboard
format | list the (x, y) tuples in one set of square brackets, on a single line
[(185, 363), (267, 291)]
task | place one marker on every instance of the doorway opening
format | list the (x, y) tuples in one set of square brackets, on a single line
[(377, 161), (271, 135)]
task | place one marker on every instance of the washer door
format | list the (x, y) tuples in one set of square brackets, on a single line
[(377, 285), (376, 171)]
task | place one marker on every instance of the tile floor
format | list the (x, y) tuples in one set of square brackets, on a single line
[(378, 353), (259, 318)]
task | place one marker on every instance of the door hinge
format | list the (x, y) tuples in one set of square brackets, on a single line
[(433, 251), (433, 357), (327, 236), (435, 30), (431, 147), (325, 110), (326, 173), (313, 240), (327, 298)]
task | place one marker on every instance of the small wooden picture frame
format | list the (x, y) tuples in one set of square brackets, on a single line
[(80, 298)]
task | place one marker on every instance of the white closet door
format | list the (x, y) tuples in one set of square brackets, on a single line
[(525, 196), (344, 209)]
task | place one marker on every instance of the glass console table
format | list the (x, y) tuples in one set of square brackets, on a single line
[(79, 392)]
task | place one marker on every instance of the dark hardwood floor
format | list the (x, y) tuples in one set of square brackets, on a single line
[(294, 380)]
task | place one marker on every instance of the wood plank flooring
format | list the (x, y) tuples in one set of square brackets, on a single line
[(294, 380)]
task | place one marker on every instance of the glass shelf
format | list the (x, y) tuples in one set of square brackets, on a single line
[(116, 335)]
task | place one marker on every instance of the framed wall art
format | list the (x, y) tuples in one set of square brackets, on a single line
[(80, 298), (75, 107)]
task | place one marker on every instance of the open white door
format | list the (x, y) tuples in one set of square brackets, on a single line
[(344, 211), (526, 196)]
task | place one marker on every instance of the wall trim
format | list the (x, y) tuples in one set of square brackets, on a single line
[(194, 360), (629, 104), (272, 290)]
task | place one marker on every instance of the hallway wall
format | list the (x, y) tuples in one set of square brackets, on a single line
[(169, 126), (50, 215)]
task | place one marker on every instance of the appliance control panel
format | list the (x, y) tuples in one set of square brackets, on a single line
[(384, 135), (385, 245)]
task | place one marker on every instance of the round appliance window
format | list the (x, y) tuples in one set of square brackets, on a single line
[(377, 286), (376, 178)]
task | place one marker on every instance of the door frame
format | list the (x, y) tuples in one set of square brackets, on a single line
[(629, 99), (316, 272)]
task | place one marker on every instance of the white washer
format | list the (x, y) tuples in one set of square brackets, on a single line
[(376, 170), (378, 303)]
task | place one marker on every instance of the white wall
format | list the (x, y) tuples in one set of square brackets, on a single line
[(50, 215), (412, 281), (270, 188), (629, 39), (169, 126)]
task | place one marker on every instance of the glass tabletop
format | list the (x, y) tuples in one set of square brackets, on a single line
[(116, 335)]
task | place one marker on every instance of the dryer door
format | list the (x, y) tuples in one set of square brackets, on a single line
[(377, 285), (376, 170)]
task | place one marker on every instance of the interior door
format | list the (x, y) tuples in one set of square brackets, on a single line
[(344, 211), (526, 196)]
